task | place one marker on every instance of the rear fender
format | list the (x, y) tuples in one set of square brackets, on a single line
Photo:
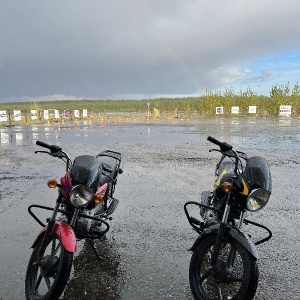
[(65, 234), (234, 233)]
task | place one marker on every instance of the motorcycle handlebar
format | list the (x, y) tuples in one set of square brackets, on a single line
[(223, 146), (52, 148)]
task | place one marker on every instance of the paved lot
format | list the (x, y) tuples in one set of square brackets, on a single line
[(145, 252)]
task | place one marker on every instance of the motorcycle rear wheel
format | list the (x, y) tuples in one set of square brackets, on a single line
[(48, 270), (236, 276)]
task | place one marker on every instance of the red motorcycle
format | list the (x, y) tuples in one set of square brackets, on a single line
[(84, 204)]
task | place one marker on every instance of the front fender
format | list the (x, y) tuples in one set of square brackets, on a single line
[(233, 233), (65, 234)]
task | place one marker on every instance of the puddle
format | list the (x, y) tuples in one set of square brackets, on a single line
[(260, 133)]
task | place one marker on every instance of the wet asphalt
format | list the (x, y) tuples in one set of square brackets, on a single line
[(145, 254)]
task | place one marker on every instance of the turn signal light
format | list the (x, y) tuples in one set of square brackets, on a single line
[(52, 183), (98, 198), (227, 187)]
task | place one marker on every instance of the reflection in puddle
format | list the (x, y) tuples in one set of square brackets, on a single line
[(284, 121), (4, 138), (94, 278), (35, 133), (19, 138), (259, 132), (252, 121)]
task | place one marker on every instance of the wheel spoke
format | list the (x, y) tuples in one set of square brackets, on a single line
[(231, 257), (219, 291), (53, 247), (205, 276), (37, 284), (47, 280)]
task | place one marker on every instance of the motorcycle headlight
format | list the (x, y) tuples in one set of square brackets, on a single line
[(81, 195), (257, 199)]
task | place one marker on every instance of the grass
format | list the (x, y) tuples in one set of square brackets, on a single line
[(204, 105)]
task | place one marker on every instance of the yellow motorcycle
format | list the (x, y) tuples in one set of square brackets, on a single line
[(224, 260)]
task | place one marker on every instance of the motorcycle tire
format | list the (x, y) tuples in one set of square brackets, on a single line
[(236, 275), (48, 270)]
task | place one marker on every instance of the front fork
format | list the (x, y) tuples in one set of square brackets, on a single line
[(51, 221), (221, 238), (222, 234), (63, 230)]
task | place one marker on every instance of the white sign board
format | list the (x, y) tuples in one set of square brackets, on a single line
[(76, 113), (84, 113), (46, 114), (219, 110), (235, 109), (33, 113), (56, 114), (17, 115), (3, 116), (252, 110), (285, 110)]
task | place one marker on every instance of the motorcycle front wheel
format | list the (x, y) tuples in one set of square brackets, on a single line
[(48, 270), (235, 275)]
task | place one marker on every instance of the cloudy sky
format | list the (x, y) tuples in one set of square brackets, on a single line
[(120, 49)]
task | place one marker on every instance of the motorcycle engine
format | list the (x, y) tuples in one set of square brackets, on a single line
[(85, 225)]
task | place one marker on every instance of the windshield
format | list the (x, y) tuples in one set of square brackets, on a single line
[(86, 170), (228, 164), (258, 174)]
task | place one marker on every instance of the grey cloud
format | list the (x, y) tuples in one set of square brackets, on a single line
[(102, 48)]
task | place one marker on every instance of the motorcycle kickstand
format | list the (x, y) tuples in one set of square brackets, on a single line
[(95, 249)]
